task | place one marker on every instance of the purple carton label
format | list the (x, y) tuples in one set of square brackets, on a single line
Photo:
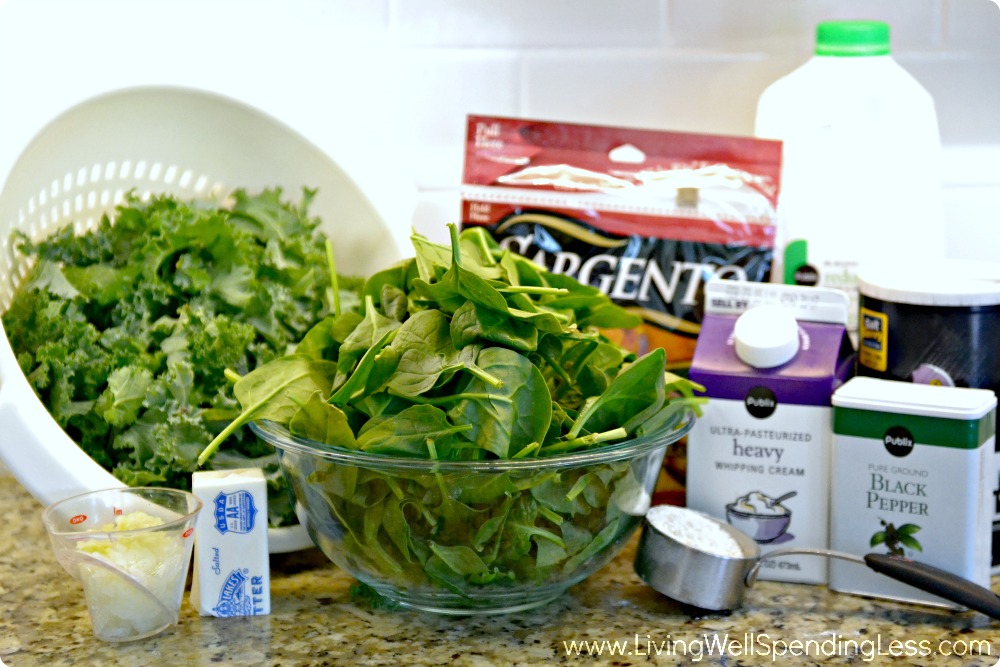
[(823, 362)]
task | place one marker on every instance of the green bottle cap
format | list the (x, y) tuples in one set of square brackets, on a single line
[(852, 38)]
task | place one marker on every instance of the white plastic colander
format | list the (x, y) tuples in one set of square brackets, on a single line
[(188, 143)]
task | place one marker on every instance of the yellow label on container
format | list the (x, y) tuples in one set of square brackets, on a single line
[(873, 334)]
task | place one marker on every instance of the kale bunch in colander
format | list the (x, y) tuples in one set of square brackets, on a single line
[(125, 331)]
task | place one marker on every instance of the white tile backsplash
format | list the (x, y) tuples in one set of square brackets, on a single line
[(671, 90), (972, 25), (788, 26), (966, 91), (433, 91), (972, 201), (550, 24), (437, 208), (973, 216)]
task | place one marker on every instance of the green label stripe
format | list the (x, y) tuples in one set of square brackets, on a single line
[(938, 431)]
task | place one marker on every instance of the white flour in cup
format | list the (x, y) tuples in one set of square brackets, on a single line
[(693, 530)]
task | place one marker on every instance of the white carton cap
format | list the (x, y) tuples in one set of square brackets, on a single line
[(766, 336)]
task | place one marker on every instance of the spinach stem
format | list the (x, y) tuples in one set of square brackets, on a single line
[(244, 417), (486, 253), (456, 255), (452, 398), (223, 434), (432, 450), (550, 515), (538, 480), (581, 483), (232, 375), (586, 440), (556, 366), (429, 517), (527, 451), (334, 282), (547, 535), (394, 487), (532, 289), (491, 380)]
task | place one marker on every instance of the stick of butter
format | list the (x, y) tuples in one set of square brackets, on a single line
[(232, 575)]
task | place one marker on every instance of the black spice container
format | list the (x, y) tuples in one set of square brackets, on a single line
[(937, 324)]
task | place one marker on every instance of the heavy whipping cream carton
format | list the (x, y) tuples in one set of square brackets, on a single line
[(232, 575), (912, 477), (770, 358)]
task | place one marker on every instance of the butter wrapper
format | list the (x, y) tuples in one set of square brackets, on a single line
[(232, 575)]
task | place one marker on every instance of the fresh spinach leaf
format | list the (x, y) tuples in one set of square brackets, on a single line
[(458, 285), (426, 352), (638, 391), (407, 433), (507, 419), (276, 392), (318, 420), (471, 323)]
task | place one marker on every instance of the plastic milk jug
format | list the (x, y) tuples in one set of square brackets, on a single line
[(861, 151)]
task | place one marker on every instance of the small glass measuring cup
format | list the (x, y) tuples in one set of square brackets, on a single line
[(130, 548), (717, 582)]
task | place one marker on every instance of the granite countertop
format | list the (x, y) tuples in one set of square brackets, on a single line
[(314, 621)]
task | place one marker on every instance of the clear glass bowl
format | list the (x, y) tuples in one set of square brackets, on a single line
[(473, 537)]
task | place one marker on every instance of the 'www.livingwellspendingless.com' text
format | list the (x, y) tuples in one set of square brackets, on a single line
[(752, 644)]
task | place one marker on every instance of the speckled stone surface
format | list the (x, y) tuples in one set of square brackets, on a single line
[(43, 621)]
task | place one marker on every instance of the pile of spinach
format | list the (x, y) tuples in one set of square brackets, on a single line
[(125, 331), (467, 353)]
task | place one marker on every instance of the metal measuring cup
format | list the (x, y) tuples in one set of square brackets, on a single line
[(718, 582)]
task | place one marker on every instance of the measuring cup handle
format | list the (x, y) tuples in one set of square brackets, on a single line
[(937, 581), (751, 575)]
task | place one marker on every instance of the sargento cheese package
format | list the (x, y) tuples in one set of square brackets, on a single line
[(646, 216)]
